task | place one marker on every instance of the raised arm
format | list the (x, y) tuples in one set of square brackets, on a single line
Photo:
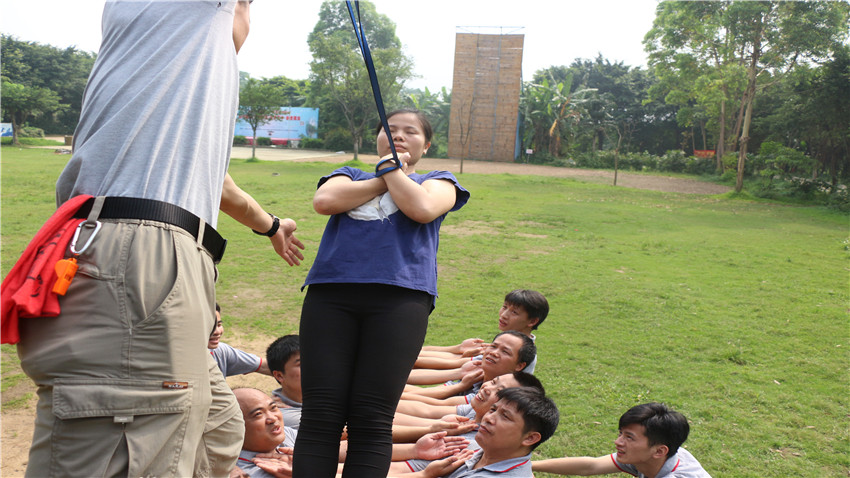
[(239, 205), (582, 465)]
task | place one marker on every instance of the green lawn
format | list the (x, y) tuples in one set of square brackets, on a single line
[(733, 312)]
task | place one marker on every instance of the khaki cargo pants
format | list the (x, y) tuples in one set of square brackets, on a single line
[(123, 374)]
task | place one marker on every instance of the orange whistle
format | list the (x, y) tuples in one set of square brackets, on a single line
[(65, 270)]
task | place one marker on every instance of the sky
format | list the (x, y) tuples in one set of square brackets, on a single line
[(556, 31)]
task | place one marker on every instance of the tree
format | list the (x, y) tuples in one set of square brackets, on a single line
[(63, 71), (339, 82), (260, 102), (808, 110), (21, 101), (437, 107), (728, 44), (293, 92)]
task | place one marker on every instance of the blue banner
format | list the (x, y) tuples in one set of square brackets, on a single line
[(294, 123)]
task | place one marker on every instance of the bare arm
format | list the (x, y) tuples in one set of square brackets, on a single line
[(239, 205), (583, 465), (340, 194), (424, 410), (473, 346), (429, 376), (439, 363), (420, 202)]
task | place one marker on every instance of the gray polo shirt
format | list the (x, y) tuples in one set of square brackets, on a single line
[(246, 463), (519, 467), (291, 409), (680, 465)]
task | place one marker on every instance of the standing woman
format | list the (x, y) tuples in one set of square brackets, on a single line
[(371, 289)]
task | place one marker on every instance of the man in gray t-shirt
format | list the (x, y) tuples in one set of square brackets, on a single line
[(649, 445), (519, 422), (283, 357), (125, 362)]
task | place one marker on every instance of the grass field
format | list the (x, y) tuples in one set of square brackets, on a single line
[(733, 312)]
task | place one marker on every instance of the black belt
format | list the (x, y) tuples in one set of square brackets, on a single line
[(152, 210)]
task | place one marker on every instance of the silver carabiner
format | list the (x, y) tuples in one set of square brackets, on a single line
[(77, 236)]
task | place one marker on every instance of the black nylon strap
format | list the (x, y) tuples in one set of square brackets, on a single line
[(373, 76)]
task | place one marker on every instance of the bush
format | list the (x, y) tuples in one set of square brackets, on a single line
[(264, 141), (239, 140), (311, 143), (30, 132), (338, 139)]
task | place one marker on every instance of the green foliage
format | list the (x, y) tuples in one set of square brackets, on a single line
[(32, 142), (239, 140), (62, 71), (21, 102), (31, 132), (437, 108), (339, 82), (311, 143), (338, 139), (714, 58), (264, 141), (260, 102)]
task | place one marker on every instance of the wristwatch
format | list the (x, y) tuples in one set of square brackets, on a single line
[(271, 232)]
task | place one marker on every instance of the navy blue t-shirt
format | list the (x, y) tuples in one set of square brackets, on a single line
[(376, 243)]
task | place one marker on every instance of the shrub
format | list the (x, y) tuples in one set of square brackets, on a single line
[(673, 161), (338, 139), (30, 132), (264, 141), (239, 140), (311, 143)]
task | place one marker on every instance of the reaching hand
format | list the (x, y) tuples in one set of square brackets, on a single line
[(447, 466), (473, 375), (438, 445), (277, 463), (472, 347), (237, 472), (454, 426), (286, 244)]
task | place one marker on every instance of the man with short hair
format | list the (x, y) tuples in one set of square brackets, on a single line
[(523, 310), (283, 357), (509, 351), (516, 424), (478, 407), (648, 446)]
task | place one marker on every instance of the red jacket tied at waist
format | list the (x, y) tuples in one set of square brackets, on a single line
[(27, 291)]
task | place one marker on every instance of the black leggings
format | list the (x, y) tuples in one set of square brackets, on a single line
[(358, 344)]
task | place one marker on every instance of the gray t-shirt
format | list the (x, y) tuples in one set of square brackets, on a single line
[(160, 105), (233, 361), (246, 463), (291, 409), (680, 465)]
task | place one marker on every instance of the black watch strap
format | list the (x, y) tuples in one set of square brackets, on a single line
[(271, 232)]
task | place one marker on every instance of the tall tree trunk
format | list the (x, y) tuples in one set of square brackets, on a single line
[(254, 144), (721, 142), (748, 117)]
